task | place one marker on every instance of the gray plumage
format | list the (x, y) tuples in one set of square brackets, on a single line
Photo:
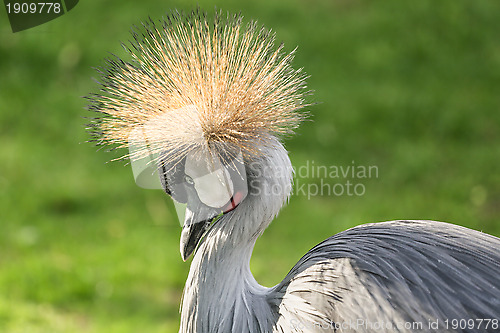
[(391, 274)]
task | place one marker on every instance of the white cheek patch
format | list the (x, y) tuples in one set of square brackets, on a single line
[(214, 189), (211, 180)]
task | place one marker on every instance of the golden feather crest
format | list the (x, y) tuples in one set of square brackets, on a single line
[(194, 81)]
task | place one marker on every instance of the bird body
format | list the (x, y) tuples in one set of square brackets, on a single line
[(208, 103), (398, 276), (341, 285)]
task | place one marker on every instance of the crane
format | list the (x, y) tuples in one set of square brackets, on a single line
[(204, 105)]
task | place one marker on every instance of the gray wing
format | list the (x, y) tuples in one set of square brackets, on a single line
[(407, 276)]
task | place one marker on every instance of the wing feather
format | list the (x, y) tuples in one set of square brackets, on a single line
[(397, 274)]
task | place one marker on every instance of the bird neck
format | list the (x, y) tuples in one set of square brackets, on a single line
[(221, 294)]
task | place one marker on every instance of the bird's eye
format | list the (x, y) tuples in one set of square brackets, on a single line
[(188, 180)]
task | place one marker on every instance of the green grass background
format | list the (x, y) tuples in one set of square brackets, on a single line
[(412, 87)]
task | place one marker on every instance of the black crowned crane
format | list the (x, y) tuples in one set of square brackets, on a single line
[(207, 102)]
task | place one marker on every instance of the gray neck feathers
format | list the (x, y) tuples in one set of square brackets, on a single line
[(221, 294)]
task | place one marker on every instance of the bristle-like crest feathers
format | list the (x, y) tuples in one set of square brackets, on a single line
[(195, 81)]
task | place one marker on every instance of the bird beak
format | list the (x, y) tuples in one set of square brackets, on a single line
[(191, 236), (192, 232)]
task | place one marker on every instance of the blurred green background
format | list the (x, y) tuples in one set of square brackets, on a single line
[(412, 87)]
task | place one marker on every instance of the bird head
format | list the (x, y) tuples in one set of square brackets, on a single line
[(198, 99)]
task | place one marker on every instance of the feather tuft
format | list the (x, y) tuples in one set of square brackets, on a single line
[(195, 81)]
